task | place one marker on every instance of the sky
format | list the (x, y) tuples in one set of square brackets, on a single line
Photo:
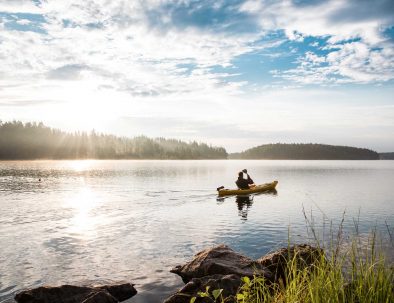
[(229, 73)]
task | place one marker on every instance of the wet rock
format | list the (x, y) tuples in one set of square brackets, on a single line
[(228, 283), (102, 296), (62, 294), (121, 292), (222, 268), (220, 260), (276, 262), (77, 294)]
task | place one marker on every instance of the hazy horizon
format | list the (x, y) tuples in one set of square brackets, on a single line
[(235, 74), (37, 123)]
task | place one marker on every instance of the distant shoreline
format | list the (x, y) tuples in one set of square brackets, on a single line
[(306, 151), (35, 141), (20, 160)]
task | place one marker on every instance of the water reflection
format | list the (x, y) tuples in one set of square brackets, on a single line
[(83, 204), (245, 202), (81, 165), (97, 220), (243, 205)]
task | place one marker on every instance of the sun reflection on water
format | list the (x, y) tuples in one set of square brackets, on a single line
[(81, 165), (83, 203)]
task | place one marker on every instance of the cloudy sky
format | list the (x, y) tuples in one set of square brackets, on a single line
[(231, 73)]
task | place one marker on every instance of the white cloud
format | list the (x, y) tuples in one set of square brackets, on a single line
[(367, 60), (115, 41), (23, 22), (352, 62), (100, 60), (18, 6), (323, 19)]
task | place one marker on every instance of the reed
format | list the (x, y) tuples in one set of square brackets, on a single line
[(350, 270), (355, 270)]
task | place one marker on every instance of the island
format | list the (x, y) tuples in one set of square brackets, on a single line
[(281, 151), (386, 156)]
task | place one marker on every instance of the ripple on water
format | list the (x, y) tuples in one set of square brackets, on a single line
[(135, 220), (4, 292)]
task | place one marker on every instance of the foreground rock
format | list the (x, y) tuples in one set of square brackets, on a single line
[(305, 255), (220, 260), (218, 268), (229, 284), (77, 294), (222, 268)]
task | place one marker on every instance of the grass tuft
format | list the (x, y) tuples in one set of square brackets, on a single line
[(349, 271)]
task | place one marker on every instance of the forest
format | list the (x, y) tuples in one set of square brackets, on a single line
[(28, 141), (310, 151), (386, 156)]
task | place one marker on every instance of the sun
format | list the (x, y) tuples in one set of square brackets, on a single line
[(86, 107)]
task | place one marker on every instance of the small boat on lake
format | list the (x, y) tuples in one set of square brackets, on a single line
[(257, 189)]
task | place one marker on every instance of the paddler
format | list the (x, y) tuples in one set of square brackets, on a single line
[(244, 181)]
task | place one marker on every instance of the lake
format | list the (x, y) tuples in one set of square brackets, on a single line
[(97, 221)]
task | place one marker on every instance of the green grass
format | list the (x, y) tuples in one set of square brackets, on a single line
[(369, 279), (349, 271), (352, 270)]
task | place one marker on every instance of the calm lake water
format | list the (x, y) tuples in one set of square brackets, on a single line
[(134, 220)]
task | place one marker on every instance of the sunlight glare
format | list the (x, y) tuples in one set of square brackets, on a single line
[(89, 108), (83, 204), (81, 165)]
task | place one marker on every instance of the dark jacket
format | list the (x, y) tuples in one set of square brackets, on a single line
[(242, 183), (250, 181)]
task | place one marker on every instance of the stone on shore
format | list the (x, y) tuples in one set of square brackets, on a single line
[(220, 260), (77, 294), (102, 296), (304, 254), (222, 268), (229, 284), (121, 292)]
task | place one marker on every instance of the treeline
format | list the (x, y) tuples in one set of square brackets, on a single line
[(281, 151), (386, 156), (36, 141)]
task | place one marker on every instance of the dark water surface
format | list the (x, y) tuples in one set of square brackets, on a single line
[(134, 220)]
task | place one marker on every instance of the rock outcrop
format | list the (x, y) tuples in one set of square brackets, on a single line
[(220, 260), (222, 268), (217, 268), (229, 284), (77, 294), (303, 254)]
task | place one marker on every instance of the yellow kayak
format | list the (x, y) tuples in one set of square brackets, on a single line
[(257, 189)]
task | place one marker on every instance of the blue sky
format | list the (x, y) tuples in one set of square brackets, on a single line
[(231, 73)]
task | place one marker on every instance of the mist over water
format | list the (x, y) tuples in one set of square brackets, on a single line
[(97, 221)]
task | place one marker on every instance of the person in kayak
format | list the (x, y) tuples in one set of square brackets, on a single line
[(248, 178), (244, 181)]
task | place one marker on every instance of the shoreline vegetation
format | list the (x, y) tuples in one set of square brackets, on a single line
[(32, 141), (338, 267), (35, 141), (350, 268), (304, 273), (351, 271), (281, 151)]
